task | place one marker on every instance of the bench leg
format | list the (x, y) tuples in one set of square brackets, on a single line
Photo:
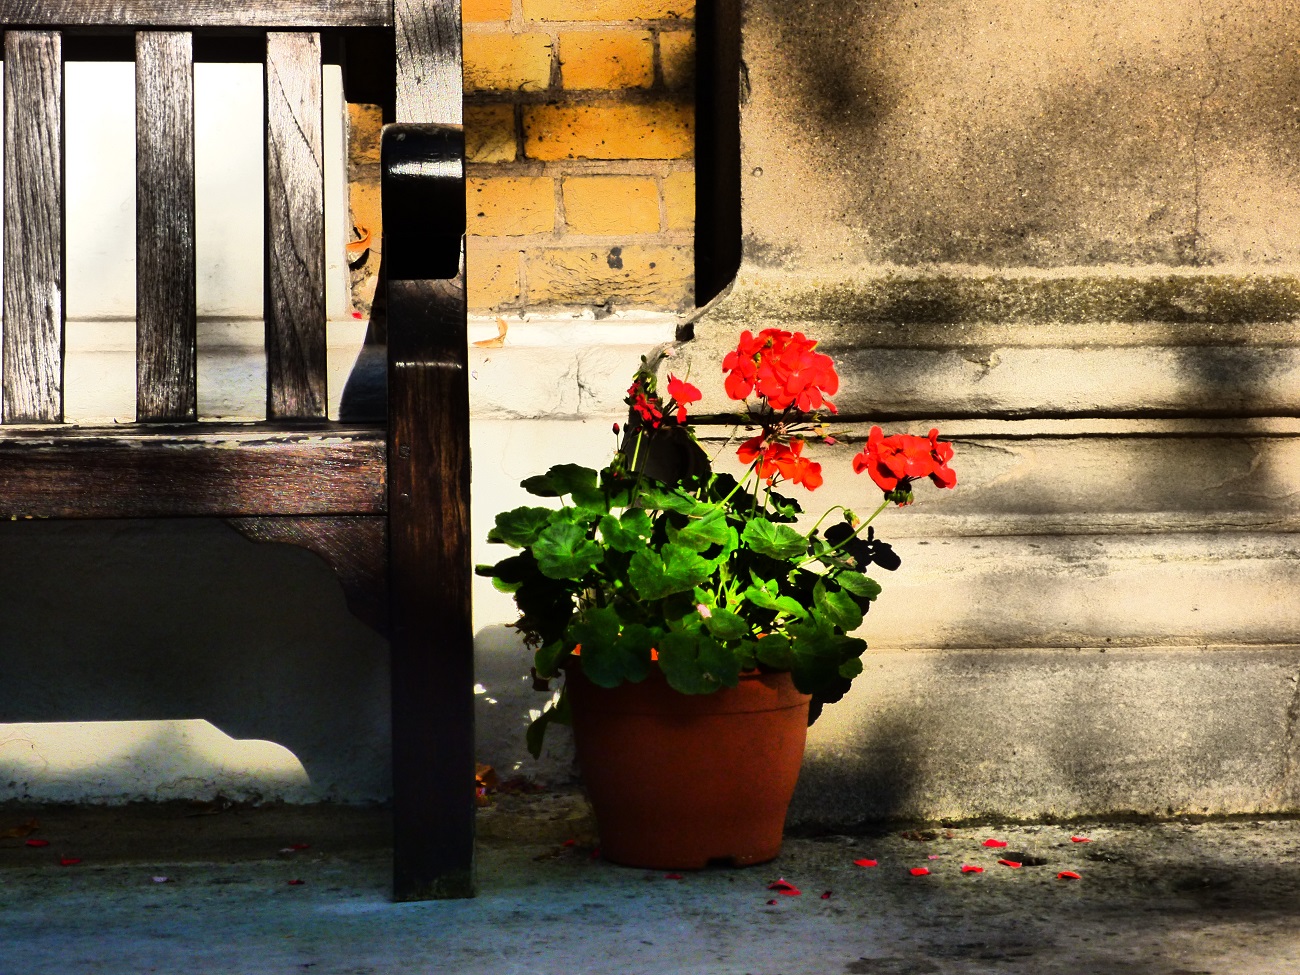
[(430, 573)]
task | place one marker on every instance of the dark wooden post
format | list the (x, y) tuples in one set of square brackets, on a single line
[(428, 457)]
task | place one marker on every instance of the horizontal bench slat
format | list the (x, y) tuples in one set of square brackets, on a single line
[(197, 13), (33, 227), (191, 471)]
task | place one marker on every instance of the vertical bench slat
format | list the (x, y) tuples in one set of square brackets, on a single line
[(295, 191), (166, 386), (33, 232)]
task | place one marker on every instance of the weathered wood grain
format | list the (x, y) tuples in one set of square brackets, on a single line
[(429, 80), (166, 358), (33, 231), (197, 13), (432, 632), (355, 547), (295, 195), (214, 471)]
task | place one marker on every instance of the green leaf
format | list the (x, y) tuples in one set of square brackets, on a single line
[(630, 533), (838, 607), (792, 606), (773, 540), (655, 575), (547, 659), (564, 551), (679, 659), (858, 584), (726, 625), (710, 528), (851, 668), (719, 663), (608, 657), (774, 651), (763, 593), (558, 712), (562, 479), (519, 528), (660, 500)]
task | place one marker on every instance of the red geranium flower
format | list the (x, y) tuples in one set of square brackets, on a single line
[(799, 469), (895, 461), (682, 393), (783, 368), (778, 458)]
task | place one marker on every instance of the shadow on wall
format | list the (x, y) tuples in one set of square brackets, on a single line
[(1033, 134), (175, 621)]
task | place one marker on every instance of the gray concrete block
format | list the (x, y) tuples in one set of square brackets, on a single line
[(1028, 734)]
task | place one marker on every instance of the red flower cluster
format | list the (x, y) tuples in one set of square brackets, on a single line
[(647, 405), (778, 458), (893, 462), (783, 368), (644, 404)]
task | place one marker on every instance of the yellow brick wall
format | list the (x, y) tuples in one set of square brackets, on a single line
[(579, 127)]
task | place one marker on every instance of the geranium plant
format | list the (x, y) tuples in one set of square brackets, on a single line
[(660, 561)]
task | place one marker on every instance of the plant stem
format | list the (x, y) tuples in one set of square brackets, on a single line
[(856, 532)]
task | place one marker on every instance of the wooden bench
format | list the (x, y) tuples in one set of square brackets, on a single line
[(386, 506)]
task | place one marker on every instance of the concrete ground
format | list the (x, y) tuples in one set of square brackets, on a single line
[(185, 890)]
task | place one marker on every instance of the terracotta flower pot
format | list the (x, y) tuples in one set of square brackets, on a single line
[(679, 780)]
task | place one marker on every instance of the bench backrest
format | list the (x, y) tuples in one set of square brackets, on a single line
[(34, 198)]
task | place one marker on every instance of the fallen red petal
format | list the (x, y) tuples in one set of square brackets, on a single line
[(1080, 839), (771, 902), (1010, 863), (295, 883), (826, 896), (864, 863), (69, 861), (971, 868), (570, 843), (1068, 875), (933, 856), (300, 846), (919, 871), (995, 844), (38, 842), (783, 886), (672, 876)]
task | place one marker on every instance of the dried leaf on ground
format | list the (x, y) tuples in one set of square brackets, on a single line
[(497, 342), (21, 830)]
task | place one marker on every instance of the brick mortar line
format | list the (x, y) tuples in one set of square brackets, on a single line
[(612, 97), (572, 26), (557, 169), (558, 241)]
